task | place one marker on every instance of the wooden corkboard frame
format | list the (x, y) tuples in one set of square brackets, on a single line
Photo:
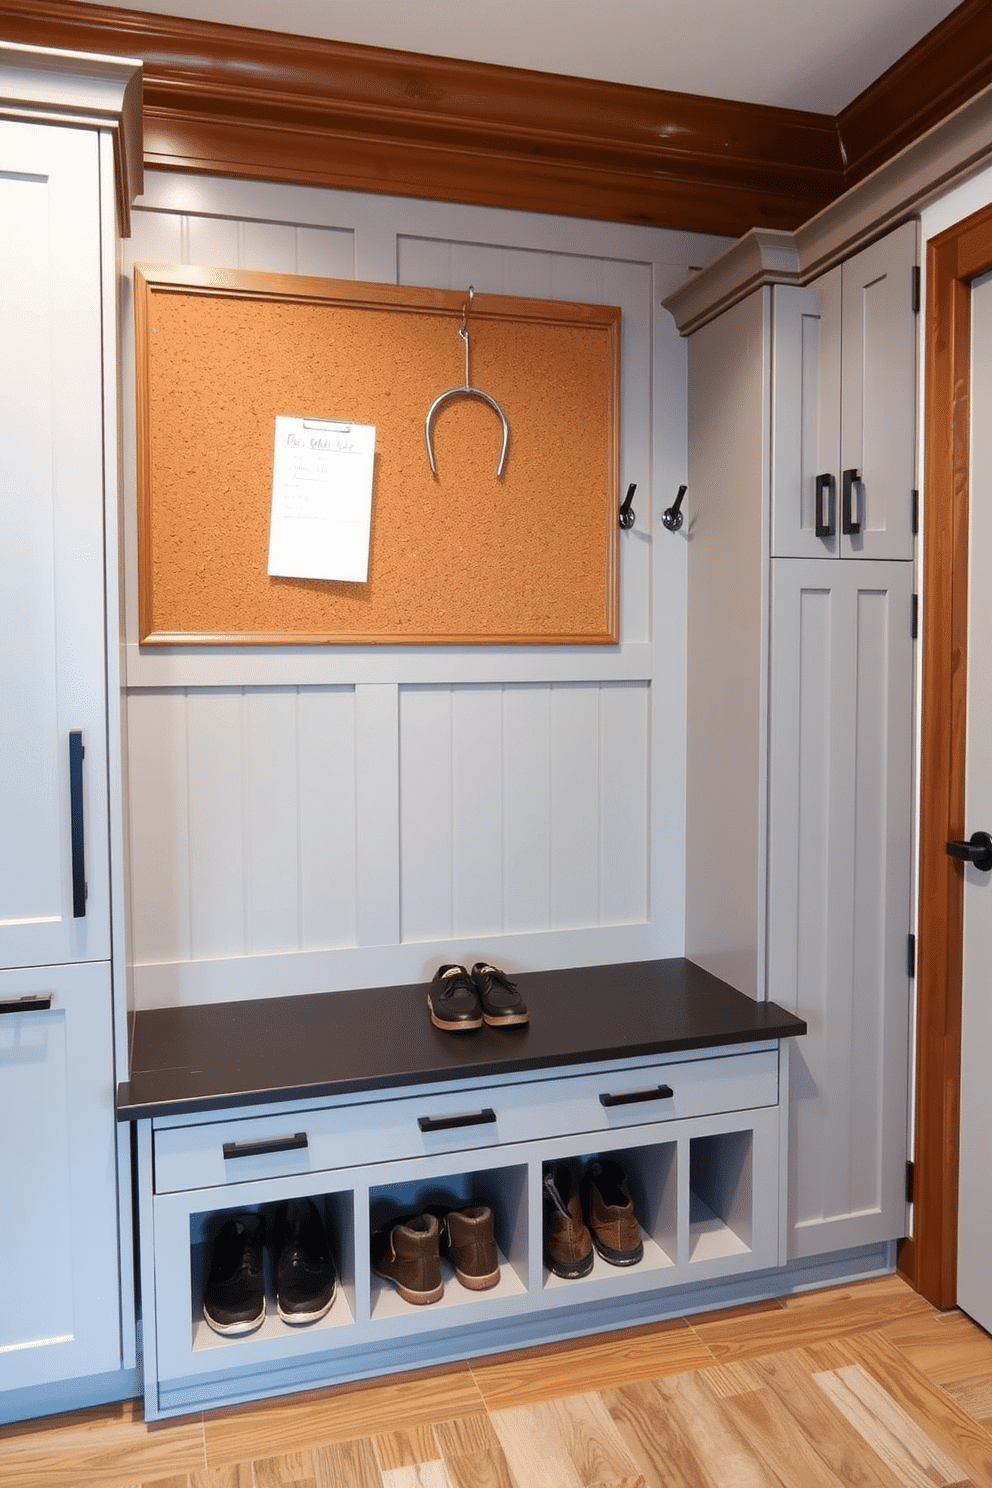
[(458, 558)]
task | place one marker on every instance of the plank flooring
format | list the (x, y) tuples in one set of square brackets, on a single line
[(863, 1386)]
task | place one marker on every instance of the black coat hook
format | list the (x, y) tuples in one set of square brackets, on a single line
[(627, 513), (672, 516)]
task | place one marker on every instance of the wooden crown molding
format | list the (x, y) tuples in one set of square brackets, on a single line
[(243, 102), (260, 104)]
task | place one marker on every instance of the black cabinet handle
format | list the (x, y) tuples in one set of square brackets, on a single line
[(634, 1097), (851, 484), (977, 850), (445, 1123), (27, 1004), (266, 1146), (76, 752), (825, 515)]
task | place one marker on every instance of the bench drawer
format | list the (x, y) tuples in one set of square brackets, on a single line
[(241, 1150)]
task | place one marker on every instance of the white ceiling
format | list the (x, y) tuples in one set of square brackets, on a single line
[(810, 54)]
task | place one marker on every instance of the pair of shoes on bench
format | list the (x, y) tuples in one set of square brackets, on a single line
[(460, 1000)]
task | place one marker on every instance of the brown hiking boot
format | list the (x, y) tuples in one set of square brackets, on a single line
[(408, 1255), (567, 1243), (610, 1211), (472, 1247)]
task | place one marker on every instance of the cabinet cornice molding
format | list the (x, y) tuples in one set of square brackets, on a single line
[(59, 87), (947, 154)]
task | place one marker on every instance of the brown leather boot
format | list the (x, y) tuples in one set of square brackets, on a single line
[(408, 1255), (567, 1243), (610, 1212), (472, 1247)]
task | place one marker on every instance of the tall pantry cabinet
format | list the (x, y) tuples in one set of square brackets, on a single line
[(800, 681), (69, 141)]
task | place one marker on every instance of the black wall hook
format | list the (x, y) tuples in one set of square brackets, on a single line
[(627, 513), (672, 517)]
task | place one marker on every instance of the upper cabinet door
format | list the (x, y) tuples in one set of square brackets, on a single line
[(54, 896), (844, 408)]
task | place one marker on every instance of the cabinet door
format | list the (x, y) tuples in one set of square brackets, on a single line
[(839, 889), (52, 668), (878, 395), (844, 400), (59, 1279)]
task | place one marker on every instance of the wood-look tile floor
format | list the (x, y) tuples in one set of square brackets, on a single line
[(864, 1386)]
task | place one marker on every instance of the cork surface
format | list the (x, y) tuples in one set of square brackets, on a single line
[(458, 557)]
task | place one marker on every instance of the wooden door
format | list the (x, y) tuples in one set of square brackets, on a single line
[(52, 645), (840, 740)]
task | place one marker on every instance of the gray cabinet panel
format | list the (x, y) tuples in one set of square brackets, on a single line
[(840, 742)]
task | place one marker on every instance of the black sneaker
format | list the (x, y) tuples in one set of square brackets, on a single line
[(501, 1002), (305, 1279), (453, 1001), (234, 1299)]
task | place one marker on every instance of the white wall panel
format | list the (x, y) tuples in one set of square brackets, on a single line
[(517, 815), (319, 816)]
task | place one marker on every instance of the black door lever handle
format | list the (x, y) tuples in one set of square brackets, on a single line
[(977, 850)]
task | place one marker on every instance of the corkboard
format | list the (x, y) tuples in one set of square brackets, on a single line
[(459, 558)]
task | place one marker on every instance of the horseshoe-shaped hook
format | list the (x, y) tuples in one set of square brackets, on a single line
[(465, 391)]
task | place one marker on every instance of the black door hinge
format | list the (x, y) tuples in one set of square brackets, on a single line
[(909, 1182), (914, 497), (915, 291), (911, 955), (915, 625)]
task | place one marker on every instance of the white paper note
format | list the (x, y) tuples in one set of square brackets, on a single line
[(321, 500)]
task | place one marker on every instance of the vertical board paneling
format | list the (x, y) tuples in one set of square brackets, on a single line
[(871, 643), (575, 805), (158, 238), (625, 771), (527, 807), (328, 850), (426, 818), (215, 750), (817, 811), (477, 826), (272, 858), (377, 820), (159, 822)]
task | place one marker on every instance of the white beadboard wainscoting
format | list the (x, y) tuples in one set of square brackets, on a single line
[(312, 818)]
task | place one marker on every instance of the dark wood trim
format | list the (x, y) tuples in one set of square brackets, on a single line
[(948, 66), (260, 104), (953, 260)]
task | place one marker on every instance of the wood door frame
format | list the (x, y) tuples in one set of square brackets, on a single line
[(954, 259)]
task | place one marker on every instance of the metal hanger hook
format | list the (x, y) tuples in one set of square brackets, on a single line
[(465, 391)]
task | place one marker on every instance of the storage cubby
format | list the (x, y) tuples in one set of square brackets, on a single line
[(652, 1181), (721, 1195), (337, 1213), (503, 1189)]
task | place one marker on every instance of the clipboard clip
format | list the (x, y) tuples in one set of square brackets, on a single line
[(465, 391)]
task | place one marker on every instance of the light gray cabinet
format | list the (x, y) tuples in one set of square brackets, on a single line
[(800, 711), (838, 899), (844, 406), (61, 1258)]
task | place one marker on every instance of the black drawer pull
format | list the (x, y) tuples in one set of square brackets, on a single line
[(29, 1004), (445, 1123), (266, 1146), (634, 1097)]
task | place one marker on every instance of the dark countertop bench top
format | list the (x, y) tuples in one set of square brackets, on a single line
[(215, 1056)]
